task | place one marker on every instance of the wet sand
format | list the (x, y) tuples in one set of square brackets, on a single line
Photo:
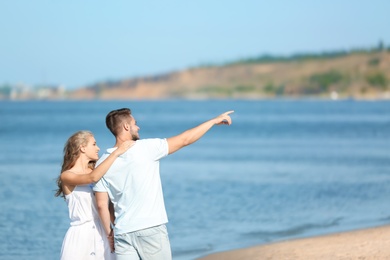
[(367, 244)]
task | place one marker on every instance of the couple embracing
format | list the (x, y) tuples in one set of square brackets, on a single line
[(116, 205)]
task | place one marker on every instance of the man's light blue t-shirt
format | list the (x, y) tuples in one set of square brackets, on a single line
[(133, 184)]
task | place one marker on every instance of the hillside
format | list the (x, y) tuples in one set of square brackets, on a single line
[(361, 75)]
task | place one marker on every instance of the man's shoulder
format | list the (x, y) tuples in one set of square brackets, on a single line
[(103, 157), (151, 141)]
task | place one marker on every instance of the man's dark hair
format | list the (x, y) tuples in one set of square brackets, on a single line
[(115, 118)]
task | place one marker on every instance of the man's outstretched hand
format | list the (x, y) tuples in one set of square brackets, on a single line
[(224, 119)]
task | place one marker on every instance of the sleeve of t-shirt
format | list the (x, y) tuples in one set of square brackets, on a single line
[(157, 148), (100, 186)]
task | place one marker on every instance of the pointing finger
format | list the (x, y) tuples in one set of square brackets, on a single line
[(228, 112)]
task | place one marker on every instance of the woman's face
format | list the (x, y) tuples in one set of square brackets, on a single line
[(91, 149)]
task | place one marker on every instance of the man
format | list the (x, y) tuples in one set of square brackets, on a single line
[(133, 185)]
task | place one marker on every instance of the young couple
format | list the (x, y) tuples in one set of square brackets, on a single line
[(117, 204)]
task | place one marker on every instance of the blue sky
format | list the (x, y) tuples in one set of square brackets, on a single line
[(76, 43)]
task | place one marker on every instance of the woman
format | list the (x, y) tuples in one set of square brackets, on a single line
[(85, 238)]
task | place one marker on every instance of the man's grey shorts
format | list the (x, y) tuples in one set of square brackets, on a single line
[(146, 244)]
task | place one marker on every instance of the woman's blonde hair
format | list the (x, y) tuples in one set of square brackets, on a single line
[(71, 154)]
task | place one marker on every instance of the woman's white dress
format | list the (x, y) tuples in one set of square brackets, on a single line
[(85, 238)]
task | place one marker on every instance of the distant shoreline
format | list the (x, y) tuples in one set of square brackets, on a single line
[(357, 75), (204, 99)]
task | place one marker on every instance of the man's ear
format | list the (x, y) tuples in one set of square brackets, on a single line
[(126, 126)]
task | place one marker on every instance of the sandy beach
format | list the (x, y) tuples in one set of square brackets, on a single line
[(367, 244)]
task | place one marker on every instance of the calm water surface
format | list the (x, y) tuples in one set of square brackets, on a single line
[(284, 169)]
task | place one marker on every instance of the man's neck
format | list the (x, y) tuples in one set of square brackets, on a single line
[(120, 140)]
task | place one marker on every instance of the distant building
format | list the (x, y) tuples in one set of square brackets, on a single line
[(26, 92)]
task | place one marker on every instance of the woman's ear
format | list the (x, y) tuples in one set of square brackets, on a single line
[(82, 148)]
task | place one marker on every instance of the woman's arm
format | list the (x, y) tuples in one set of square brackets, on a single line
[(73, 179)]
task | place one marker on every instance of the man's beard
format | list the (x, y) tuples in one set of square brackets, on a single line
[(134, 137)]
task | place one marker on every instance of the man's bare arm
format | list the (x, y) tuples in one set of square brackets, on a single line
[(103, 204), (104, 213), (192, 135)]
